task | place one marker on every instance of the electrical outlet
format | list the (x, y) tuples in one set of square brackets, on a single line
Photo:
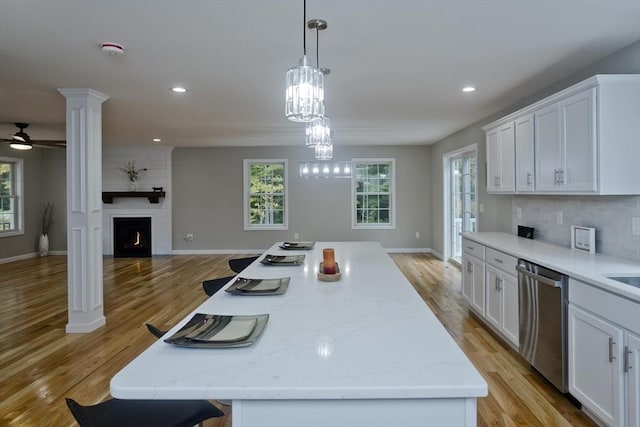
[(417, 234), (188, 237), (481, 208), (635, 225), (559, 217), (296, 236), (519, 213)]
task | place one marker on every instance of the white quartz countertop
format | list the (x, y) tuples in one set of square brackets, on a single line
[(367, 336), (590, 268)]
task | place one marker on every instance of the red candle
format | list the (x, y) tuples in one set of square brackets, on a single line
[(328, 261)]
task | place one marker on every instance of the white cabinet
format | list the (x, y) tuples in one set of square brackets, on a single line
[(525, 154), (594, 365), (473, 275), (566, 145), (490, 286), (501, 159), (604, 354), (502, 295), (632, 369), (586, 140)]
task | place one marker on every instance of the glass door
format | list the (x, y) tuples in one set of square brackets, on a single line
[(461, 213)]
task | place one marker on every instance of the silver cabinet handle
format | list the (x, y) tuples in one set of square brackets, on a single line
[(499, 285), (611, 344), (561, 176), (529, 176), (470, 248), (556, 180), (469, 267), (498, 260), (496, 181), (627, 364)]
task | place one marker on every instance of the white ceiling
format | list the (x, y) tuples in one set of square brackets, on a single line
[(397, 66)]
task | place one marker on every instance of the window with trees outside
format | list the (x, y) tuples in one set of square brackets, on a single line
[(265, 194), (373, 193), (10, 196)]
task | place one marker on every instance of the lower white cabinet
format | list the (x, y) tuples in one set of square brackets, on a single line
[(632, 355), (490, 285), (502, 303), (595, 374), (604, 354), (473, 282)]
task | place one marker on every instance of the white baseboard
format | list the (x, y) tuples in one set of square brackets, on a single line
[(407, 250), (18, 257)]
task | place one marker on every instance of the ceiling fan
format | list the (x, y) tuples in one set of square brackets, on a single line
[(22, 141)]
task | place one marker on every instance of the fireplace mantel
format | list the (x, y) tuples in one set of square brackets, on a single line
[(153, 196)]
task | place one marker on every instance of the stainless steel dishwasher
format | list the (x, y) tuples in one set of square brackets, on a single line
[(543, 321)]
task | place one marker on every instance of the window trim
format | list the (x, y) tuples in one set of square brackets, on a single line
[(246, 183), (19, 196), (392, 194)]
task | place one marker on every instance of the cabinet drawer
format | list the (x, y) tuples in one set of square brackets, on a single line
[(473, 248), (614, 308), (502, 261)]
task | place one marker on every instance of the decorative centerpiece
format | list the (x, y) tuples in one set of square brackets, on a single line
[(133, 173), (329, 271)]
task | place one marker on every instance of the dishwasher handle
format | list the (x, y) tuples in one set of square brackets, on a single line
[(539, 278)]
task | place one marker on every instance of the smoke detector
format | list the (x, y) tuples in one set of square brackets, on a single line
[(113, 49)]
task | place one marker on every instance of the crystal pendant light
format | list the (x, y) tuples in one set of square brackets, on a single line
[(324, 152), (318, 132), (304, 95)]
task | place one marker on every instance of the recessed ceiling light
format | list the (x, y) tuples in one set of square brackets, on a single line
[(156, 140), (178, 89), (468, 89)]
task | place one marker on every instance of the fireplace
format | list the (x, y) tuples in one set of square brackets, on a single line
[(132, 237)]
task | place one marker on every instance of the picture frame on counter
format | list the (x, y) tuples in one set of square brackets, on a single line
[(583, 238)]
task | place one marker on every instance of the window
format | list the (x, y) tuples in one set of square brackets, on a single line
[(10, 196), (265, 194), (373, 193)]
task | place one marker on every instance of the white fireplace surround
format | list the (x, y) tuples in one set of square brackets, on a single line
[(157, 161)]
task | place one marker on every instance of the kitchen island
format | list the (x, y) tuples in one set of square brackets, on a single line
[(362, 351)]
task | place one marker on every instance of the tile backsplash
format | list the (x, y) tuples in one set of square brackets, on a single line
[(611, 216)]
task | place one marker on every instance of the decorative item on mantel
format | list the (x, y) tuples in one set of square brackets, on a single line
[(329, 271), (43, 243), (133, 173)]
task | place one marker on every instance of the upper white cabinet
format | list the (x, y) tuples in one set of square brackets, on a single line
[(501, 159), (586, 140), (525, 152)]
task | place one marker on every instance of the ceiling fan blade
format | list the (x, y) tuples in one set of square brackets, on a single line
[(50, 143)]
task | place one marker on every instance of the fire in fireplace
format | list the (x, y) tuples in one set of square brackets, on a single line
[(132, 237)]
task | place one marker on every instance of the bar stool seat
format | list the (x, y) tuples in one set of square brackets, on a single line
[(143, 413)]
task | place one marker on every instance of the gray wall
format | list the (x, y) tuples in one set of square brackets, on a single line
[(207, 198), (500, 210)]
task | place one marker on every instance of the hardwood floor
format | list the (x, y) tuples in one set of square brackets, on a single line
[(40, 364)]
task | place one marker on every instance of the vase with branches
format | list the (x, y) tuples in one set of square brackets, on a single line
[(133, 173), (47, 214)]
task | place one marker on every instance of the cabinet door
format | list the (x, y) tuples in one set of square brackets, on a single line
[(493, 160), (548, 147), (510, 319), (494, 297), (632, 368), (525, 166), (467, 278), (578, 123), (595, 373), (478, 286), (507, 144)]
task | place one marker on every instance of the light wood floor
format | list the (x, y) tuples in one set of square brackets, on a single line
[(40, 364)]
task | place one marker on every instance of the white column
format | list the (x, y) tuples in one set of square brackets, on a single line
[(84, 209)]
